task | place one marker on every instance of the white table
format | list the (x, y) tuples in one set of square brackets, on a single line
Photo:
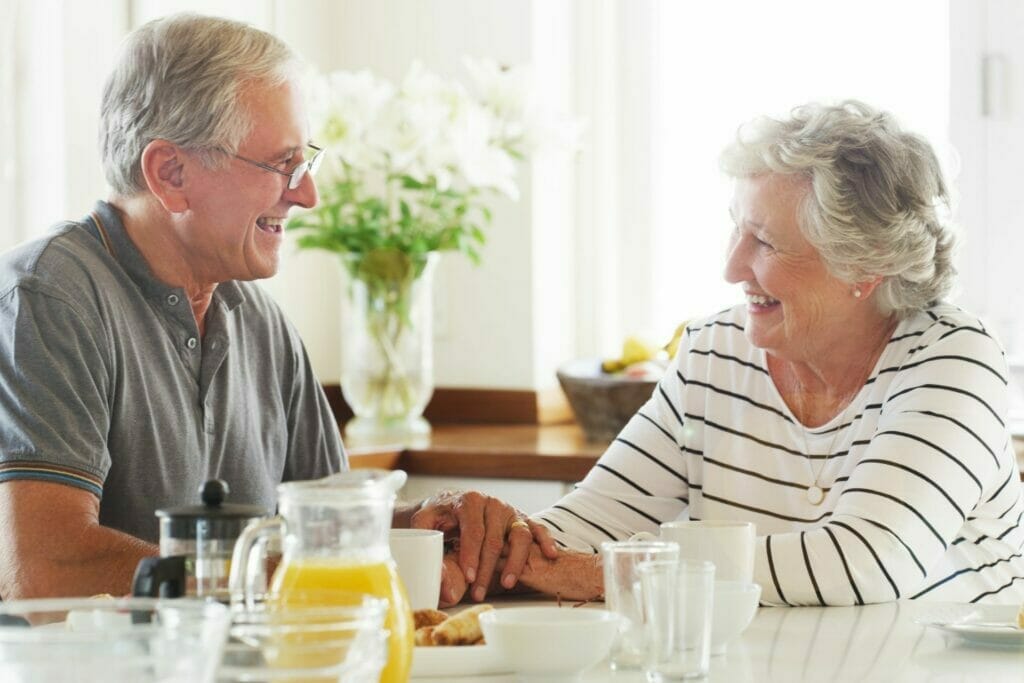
[(871, 643)]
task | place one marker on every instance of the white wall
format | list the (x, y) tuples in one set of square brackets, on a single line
[(54, 172)]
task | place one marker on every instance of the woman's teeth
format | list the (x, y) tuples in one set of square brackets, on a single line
[(759, 300)]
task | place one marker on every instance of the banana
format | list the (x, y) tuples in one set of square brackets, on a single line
[(677, 336), (637, 350)]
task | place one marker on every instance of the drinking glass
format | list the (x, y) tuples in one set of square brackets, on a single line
[(313, 637), (677, 599), (623, 596)]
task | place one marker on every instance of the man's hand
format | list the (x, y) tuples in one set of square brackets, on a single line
[(483, 525)]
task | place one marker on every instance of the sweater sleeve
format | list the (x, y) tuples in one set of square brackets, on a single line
[(939, 451)]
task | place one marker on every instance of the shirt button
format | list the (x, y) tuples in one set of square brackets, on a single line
[(172, 299), (192, 342)]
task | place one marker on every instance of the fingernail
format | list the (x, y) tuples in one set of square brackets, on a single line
[(509, 581), (478, 593), (450, 595), (470, 575)]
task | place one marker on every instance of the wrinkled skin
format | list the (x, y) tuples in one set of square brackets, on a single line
[(485, 530)]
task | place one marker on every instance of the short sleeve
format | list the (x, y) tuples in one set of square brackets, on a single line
[(54, 388)]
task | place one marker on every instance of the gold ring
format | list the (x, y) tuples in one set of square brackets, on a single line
[(519, 524)]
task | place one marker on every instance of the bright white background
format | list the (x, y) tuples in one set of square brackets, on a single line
[(627, 236)]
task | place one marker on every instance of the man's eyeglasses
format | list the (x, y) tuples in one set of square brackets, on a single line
[(295, 176)]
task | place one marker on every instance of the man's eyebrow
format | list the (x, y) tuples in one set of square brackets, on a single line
[(287, 152)]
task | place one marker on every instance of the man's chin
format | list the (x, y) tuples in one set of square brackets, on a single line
[(262, 268)]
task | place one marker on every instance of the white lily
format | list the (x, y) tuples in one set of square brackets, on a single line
[(457, 143)]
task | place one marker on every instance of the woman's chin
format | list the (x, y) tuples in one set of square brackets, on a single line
[(761, 337)]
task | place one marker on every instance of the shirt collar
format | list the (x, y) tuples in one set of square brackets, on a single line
[(128, 256)]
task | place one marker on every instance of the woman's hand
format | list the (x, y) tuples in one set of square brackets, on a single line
[(571, 575), (453, 581), (487, 528)]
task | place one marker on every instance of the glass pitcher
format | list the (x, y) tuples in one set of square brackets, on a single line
[(334, 535), (196, 543)]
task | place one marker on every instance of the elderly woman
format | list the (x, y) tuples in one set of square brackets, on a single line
[(854, 416)]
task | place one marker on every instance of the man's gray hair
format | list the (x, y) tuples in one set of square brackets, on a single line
[(180, 78), (877, 204)]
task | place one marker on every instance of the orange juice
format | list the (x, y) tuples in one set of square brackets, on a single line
[(377, 578)]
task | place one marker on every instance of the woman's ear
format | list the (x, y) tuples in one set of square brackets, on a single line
[(864, 288), (163, 169)]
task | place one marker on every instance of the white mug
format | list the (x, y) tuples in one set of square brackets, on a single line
[(727, 543), (418, 554)]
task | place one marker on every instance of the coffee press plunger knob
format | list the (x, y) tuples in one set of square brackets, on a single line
[(213, 492)]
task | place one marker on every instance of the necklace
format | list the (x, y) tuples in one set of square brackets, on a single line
[(815, 493)]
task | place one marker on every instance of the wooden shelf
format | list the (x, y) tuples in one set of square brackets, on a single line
[(531, 452)]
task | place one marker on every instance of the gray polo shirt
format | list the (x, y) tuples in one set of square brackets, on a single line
[(105, 383)]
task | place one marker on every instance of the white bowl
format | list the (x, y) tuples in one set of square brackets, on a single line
[(735, 605), (557, 643)]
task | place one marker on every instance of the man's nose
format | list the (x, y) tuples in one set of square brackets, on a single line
[(305, 195)]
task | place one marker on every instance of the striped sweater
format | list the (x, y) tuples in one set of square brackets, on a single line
[(922, 491)]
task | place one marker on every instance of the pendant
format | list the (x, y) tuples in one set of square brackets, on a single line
[(815, 495)]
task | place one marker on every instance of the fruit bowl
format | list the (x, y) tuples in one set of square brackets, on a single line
[(602, 403)]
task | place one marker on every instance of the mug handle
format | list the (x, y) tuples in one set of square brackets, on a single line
[(644, 536), (244, 571)]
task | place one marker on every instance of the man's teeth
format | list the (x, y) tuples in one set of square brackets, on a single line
[(270, 224), (759, 300)]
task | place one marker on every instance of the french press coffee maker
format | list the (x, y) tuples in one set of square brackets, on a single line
[(196, 542)]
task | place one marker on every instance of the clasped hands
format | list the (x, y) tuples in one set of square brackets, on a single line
[(488, 535)]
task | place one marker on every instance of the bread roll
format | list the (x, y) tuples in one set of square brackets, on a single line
[(461, 629), (424, 636), (427, 617)]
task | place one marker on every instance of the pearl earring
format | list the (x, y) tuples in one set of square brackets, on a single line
[(857, 292)]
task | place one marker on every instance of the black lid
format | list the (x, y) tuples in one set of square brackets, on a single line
[(219, 519)]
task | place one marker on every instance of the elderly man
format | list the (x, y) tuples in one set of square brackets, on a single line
[(136, 357)]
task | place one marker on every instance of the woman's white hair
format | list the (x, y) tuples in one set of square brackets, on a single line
[(877, 204), (180, 79)]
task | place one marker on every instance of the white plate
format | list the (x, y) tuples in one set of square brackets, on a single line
[(990, 625), (457, 660)]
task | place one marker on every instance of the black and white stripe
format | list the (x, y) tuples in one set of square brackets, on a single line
[(923, 497)]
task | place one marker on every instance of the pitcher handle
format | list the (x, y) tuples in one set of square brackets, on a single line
[(251, 541)]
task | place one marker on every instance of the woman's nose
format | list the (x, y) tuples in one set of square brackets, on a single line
[(737, 262)]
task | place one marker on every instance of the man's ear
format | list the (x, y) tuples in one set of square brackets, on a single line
[(163, 169)]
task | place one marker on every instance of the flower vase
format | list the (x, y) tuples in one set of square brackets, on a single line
[(387, 364)]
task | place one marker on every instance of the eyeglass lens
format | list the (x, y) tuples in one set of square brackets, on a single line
[(308, 166)]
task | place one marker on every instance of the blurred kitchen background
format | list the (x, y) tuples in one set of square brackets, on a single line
[(627, 236)]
